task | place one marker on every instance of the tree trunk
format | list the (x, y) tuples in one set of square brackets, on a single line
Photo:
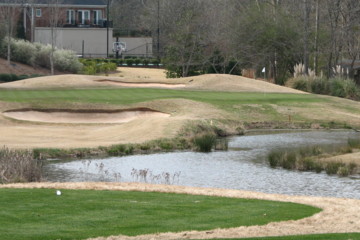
[(316, 47), (306, 36)]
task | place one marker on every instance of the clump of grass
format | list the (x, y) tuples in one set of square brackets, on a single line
[(354, 142), (222, 144), (310, 164), (116, 150), (343, 171), (304, 159), (333, 167), (205, 142), (19, 166)]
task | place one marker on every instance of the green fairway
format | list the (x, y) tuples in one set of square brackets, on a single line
[(78, 214), (135, 95), (334, 236)]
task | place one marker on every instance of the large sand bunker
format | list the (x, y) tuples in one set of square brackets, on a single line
[(82, 116)]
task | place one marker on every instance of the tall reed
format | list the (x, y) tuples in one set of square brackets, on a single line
[(19, 166)]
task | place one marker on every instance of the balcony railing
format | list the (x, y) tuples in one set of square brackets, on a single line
[(102, 23)]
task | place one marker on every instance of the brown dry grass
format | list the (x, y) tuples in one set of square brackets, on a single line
[(142, 77), (338, 215), (20, 69), (344, 158)]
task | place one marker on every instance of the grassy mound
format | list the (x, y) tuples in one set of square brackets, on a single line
[(79, 214)]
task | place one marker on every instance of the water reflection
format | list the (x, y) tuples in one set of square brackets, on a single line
[(242, 167)]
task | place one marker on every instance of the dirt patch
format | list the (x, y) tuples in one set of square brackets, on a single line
[(144, 84), (344, 158), (22, 69), (82, 116), (338, 215)]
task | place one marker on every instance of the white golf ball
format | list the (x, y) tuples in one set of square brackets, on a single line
[(58, 192)]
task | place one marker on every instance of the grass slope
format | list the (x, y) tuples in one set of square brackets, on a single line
[(243, 106), (334, 236), (78, 214)]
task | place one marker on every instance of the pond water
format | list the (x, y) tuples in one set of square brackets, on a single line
[(243, 167)]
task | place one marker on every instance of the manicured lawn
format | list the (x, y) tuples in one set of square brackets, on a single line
[(336, 236), (135, 95), (78, 214)]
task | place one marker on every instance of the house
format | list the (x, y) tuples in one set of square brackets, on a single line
[(79, 25)]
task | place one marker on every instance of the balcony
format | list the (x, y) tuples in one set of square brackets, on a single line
[(102, 23)]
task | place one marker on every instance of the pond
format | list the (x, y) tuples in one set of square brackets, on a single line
[(243, 167)]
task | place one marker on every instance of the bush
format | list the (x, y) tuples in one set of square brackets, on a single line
[(338, 87), (66, 60), (333, 167), (205, 143), (5, 77), (275, 157), (301, 84), (319, 86), (23, 51), (37, 54), (129, 62), (8, 77)]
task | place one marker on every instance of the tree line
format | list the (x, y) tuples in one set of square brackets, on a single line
[(192, 36)]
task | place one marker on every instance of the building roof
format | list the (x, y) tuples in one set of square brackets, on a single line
[(62, 2)]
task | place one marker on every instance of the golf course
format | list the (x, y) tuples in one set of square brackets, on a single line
[(139, 106)]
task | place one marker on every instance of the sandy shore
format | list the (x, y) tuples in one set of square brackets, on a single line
[(338, 216)]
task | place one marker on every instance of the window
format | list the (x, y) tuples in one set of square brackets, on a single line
[(38, 12), (84, 17), (96, 17), (70, 17)]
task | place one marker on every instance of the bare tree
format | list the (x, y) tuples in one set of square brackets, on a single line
[(55, 13), (8, 16)]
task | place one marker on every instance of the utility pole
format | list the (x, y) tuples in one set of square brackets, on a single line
[(158, 29), (107, 28)]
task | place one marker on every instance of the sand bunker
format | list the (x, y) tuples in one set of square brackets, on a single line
[(82, 116), (144, 84)]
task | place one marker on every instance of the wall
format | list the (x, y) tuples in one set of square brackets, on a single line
[(72, 38)]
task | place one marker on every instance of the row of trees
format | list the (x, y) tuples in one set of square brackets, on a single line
[(222, 36)]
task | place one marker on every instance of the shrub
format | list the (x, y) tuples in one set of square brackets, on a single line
[(42, 56), (205, 142), (275, 157), (289, 161), (301, 84), (66, 60), (333, 167), (38, 54), (5, 77), (337, 87), (351, 89), (137, 61), (319, 86), (23, 51), (116, 150), (129, 62), (343, 171)]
